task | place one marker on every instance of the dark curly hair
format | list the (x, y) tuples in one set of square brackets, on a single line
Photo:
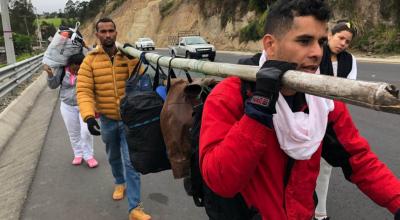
[(281, 14)]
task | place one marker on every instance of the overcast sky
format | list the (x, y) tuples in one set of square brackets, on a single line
[(50, 5)]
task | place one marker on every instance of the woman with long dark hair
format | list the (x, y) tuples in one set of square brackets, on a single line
[(336, 61)]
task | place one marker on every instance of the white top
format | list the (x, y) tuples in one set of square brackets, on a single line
[(353, 72)]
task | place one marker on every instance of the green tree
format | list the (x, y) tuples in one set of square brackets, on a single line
[(70, 9), (259, 5), (81, 9), (47, 30), (22, 17), (22, 43), (87, 10)]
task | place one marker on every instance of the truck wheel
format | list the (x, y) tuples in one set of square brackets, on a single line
[(212, 59), (141, 47), (173, 54), (187, 55)]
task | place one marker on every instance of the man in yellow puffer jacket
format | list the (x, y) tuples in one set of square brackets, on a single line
[(100, 87)]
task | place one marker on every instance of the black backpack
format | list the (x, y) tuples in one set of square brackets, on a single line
[(217, 207), (140, 113)]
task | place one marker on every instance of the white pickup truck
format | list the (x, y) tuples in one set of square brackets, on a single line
[(193, 47)]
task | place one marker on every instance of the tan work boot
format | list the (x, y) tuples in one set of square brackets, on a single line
[(119, 192), (138, 214)]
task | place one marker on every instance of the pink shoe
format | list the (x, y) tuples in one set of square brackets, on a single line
[(92, 163), (77, 161)]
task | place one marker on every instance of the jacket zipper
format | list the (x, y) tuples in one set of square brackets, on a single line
[(286, 178), (115, 84)]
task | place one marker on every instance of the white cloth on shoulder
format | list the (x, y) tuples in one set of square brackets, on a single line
[(263, 58), (300, 134)]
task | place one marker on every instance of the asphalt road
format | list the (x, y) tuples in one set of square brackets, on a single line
[(62, 191)]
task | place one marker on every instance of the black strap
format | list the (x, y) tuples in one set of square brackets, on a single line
[(190, 80), (171, 74), (157, 74), (135, 70), (135, 76), (162, 75)]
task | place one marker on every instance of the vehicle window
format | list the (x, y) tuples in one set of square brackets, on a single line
[(195, 40)]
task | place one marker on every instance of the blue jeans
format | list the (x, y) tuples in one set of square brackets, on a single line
[(113, 135)]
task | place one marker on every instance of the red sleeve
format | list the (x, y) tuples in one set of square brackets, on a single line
[(231, 144), (371, 175)]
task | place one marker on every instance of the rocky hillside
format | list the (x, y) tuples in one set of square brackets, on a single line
[(136, 19), (159, 19)]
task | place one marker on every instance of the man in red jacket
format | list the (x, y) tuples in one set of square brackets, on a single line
[(269, 147)]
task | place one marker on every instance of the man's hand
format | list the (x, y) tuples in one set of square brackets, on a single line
[(93, 126), (261, 105), (268, 84)]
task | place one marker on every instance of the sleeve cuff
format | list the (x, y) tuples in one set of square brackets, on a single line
[(259, 115)]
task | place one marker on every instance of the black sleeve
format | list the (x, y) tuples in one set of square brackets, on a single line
[(251, 61), (334, 153)]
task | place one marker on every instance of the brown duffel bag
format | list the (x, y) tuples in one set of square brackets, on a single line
[(176, 120)]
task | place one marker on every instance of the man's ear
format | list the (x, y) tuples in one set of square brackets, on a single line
[(269, 43), (97, 34)]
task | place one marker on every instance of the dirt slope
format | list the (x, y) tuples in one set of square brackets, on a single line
[(141, 18)]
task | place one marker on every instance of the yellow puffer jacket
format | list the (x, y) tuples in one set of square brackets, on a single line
[(101, 83)]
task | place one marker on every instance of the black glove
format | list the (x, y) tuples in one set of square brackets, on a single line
[(93, 126), (127, 55), (397, 215), (268, 84)]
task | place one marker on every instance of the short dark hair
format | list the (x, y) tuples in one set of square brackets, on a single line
[(104, 20), (76, 59), (281, 14), (343, 25)]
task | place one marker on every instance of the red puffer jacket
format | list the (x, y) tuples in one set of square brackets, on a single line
[(239, 154)]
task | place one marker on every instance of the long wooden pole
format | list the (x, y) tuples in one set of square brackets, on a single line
[(374, 95)]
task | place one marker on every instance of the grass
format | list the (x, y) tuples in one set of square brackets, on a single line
[(24, 56), (379, 40), (21, 57), (55, 21)]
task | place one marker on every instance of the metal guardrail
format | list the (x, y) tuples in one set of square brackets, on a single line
[(13, 75)]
